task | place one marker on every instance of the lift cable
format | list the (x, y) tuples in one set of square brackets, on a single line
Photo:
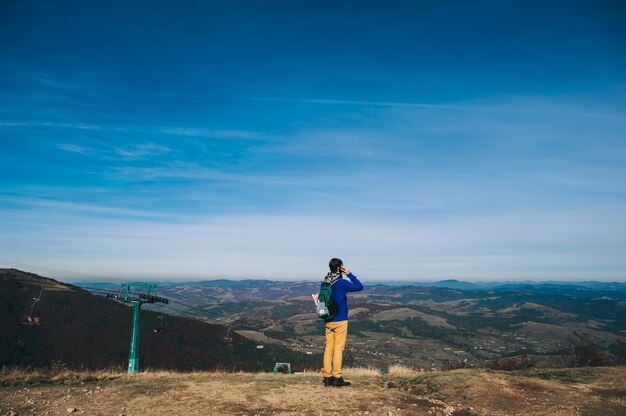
[(50, 269), (204, 315)]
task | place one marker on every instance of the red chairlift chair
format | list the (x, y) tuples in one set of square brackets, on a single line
[(31, 319), (162, 327)]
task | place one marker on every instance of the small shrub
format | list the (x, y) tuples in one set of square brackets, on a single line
[(522, 362)]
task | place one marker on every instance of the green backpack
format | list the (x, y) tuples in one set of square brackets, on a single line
[(325, 307)]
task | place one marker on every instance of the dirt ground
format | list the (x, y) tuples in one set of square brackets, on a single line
[(600, 391)]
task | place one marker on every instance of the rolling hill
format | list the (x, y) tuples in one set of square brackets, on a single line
[(418, 326), (81, 330), (431, 326)]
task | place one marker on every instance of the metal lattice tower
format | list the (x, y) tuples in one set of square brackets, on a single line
[(137, 301)]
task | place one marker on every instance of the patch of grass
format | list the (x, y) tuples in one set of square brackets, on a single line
[(436, 385), (361, 372), (402, 370), (565, 375), (14, 376), (424, 384), (141, 383)]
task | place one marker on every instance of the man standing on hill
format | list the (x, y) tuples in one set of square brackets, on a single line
[(337, 327)]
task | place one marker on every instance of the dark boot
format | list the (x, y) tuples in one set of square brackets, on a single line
[(338, 382), (328, 381)]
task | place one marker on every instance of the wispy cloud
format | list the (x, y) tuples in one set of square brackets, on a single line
[(440, 193), (193, 171), (536, 107), (170, 131), (75, 148), (142, 150), (211, 133), (26, 206), (108, 153), (77, 126), (177, 171), (417, 161), (367, 103), (251, 245), (49, 81)]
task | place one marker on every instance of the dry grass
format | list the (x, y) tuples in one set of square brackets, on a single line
[(393, 370), (54, 374), (401, 391), (402, 370), (361, 372), (18, 376), (28, 376), (11, 376)]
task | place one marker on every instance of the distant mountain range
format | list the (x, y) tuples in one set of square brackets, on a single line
[(442, 324), (515, 285), (582, 289)]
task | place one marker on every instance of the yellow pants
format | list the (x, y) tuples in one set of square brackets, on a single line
[(336, 333)]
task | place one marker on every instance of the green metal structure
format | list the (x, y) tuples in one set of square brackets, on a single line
[(137, 301), (278, 366)]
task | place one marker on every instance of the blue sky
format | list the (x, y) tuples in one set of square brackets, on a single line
[(416, 140)]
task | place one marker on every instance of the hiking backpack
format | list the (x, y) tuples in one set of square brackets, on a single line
[(325, 307)]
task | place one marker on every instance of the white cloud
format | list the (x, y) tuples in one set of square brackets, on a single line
[(142, 150), (525, 105), (210, 133), (175, 130), (412, 193), (297, 245), (78, 126), (72, 148)]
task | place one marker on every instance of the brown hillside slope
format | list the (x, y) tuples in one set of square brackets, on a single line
[(81, 330), (597, 391)]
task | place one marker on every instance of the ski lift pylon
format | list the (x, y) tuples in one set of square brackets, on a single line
[(229, 338)]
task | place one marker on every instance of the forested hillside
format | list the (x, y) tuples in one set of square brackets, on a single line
[(81, 330)]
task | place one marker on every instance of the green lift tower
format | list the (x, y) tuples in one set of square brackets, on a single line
[(137, 301)]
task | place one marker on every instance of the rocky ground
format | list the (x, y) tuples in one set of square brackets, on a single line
[(597, 391)]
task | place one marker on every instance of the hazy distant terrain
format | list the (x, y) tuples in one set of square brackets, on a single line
[(252, 324), (445, 324)]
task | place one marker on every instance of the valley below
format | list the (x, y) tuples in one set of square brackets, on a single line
[(428, 327)]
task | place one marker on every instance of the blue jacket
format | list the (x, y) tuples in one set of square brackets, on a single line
[(340, 289)]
